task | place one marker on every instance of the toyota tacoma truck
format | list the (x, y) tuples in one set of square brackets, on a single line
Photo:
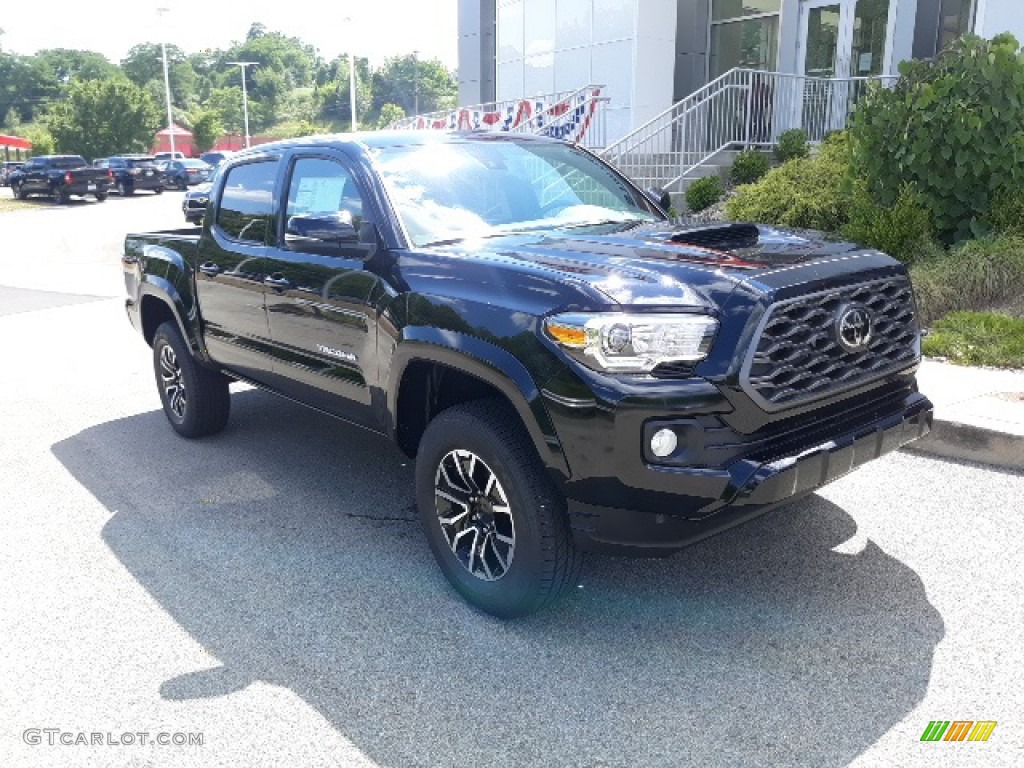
[(571, 371), (59, 177)]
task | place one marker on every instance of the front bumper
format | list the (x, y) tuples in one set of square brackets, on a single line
[(746, 488)]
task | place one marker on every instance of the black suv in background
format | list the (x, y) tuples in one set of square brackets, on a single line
[(132, 173), (6, 168)]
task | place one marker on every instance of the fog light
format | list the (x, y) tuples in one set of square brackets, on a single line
[(664, 443)]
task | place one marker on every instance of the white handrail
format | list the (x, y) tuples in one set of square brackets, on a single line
[(741, 108)]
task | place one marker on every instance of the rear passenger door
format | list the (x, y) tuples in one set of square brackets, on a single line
[(322, 323), (232, 265)]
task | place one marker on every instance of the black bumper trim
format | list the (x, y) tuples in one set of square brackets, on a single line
[(613, 530)]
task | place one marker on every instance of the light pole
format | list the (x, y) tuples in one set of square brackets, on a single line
[(415, 82), (351, 77), (245, 96), (167, 83)]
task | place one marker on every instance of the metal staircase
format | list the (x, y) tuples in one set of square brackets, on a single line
[(742, 108)]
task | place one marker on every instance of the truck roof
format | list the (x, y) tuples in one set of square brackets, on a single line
[(371, 139)]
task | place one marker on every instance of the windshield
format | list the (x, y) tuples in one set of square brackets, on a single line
[(453, 191), (63, 163)]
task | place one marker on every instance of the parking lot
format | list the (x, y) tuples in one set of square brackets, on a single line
[(269, 588)]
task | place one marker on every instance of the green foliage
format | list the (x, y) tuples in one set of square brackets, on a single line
[(809, 192), (389, 114), (902, 230), (978, 338), (792, 145), (42, 140), (206, 129), (749, 166), (67, 65), (951, 126), (295, 128), (980, 274), (101, 118), (1006, 215), (704, 193), (408, 81)]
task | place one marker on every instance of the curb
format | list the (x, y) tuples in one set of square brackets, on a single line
[(966, 442)]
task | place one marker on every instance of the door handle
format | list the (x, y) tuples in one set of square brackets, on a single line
[(209, 268), (277, 282)]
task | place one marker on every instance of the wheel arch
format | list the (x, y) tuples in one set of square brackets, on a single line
[(469, 369)]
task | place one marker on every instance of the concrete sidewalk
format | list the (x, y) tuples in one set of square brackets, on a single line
[(979, 414)]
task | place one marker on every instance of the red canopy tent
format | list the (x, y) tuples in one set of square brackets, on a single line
[(182, 141), (7, 143)]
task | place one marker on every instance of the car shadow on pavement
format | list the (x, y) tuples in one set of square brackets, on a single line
[(288, 547)]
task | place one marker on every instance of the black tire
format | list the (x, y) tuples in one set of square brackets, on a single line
[(100, 197), (195, 399), (59, 196), (19, 191), (159, 190), (123, 189), (485, 438)]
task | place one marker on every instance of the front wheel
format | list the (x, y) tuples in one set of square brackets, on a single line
[(196, 400), (495, 523)]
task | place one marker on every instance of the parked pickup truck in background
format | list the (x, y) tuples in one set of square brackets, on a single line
[(570, 370), (60, 177)]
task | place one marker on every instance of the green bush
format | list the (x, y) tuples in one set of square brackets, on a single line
[(902, 230), (704, 193), (980, 274), (978, 338), (1006, 216), (808, 192), (792, 144), (749, 166), (952, 127)]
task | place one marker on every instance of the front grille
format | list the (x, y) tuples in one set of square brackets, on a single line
[(797, 355)]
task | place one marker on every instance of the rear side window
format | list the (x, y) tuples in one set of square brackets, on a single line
[(247, 201)]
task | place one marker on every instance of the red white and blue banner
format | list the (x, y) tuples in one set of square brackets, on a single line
[(568, 119)]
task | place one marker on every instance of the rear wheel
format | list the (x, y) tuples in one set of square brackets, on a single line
[(19, 191), (195, 399), (123, 189), (100, 197), (59, 196), (495, 523), (159, 190)]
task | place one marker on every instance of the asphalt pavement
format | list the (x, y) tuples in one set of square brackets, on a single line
[(268, 592)]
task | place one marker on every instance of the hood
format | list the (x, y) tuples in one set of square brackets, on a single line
[(660, 263)]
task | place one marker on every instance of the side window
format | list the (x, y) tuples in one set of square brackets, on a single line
[(324, 186), (247, 201)]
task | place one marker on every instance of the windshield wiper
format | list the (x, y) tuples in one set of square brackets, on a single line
[(626, 224)]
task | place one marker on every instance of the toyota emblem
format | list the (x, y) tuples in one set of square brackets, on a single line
[(853, 328)]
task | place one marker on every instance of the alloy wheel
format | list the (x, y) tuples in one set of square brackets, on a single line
[(474, 514), (172, 381)]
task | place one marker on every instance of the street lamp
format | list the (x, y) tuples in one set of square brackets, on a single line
[(245, 96), (167, 84)]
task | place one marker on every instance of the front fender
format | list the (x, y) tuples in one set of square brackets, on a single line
[(489, 363)]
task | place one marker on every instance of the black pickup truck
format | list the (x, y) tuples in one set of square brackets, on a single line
[(59, 177), (571, 371)]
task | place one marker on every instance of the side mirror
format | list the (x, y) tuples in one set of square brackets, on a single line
[(659, 196), (324, 229)]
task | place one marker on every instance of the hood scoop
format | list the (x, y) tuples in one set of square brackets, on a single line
[(727, 237)]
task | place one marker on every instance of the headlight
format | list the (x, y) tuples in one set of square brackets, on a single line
[(632, 343)]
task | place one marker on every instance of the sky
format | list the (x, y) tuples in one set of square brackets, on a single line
[(379, 28)]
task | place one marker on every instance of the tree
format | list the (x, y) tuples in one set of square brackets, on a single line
[(206, 129), (952, 128), (103, 118), (389, 113), (408, 82), (26, 85), (67, 64), (42, 140), (144, 65), (227, 104)]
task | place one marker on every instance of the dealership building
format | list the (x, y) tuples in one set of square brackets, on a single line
[(650, 54)]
